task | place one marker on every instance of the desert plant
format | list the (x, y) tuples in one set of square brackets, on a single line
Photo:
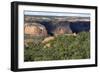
[(63, 47)]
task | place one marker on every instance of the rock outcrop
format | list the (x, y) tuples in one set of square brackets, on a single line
[(35, 29), (62, 28)]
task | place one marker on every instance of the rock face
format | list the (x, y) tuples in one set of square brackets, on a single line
[(80, 26), (35, 29), (77, 24), (62, 28)]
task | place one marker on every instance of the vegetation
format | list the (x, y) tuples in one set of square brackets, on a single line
[(63, 47)]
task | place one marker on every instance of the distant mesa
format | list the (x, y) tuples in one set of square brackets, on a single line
[(29, 18)]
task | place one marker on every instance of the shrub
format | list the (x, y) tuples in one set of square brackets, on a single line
[(63, 47)]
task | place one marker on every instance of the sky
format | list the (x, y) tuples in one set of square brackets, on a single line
[(44, 13)]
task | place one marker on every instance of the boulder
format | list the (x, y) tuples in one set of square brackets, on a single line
[(47, 39)]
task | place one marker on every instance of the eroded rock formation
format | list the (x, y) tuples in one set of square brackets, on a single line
[(35, 29), (62, 28)]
